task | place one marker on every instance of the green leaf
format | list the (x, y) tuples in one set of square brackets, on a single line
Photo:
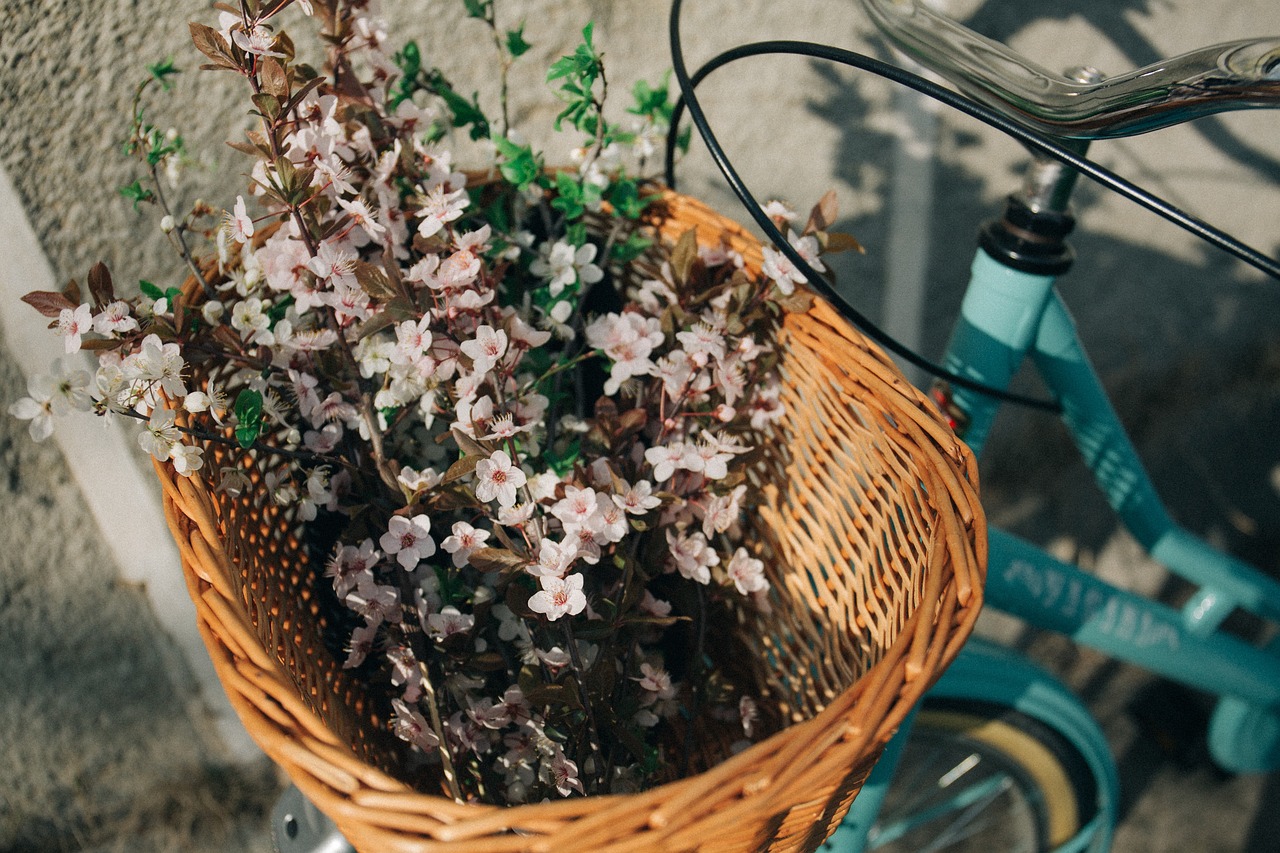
[(562, 67), (569, 196), (625, 197), (136, 193), (516, 45), (465, 113), (633, 247), (277, 311), (563, 459), (248, 411), (451, 588), (150, 290), (477, 8), (520, 167), (162, 71)]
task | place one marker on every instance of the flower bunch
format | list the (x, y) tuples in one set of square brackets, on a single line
[(517, 428)]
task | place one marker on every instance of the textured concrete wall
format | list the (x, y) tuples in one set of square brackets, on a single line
[(1186, 339)]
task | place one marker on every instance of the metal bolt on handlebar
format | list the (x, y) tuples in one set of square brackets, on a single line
[(1048, 184)]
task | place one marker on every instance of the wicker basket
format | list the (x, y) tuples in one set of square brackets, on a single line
[(875, 543)]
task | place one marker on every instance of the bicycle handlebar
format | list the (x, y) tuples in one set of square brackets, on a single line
[(1232, 76)]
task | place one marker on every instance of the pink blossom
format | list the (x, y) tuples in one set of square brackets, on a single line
[(463, 541), (72, 323), (486, 348), (413, 339), (524, 336), (440, 207), (665, 459), (722, 511), (561, 265), (332, 261), (404, 671), (186, 458), (675, 370), (746, 572), (778, 268), (449, 621), (766, 406), (376, 602), (564, 775), (360, 645), (497, 477), (411, 726), (409, 540), (627, 339), (558, 596), (418, 481), (349, 563), (515, 516), (362, 216), (554, 558), (115, 319), (576, 507), (702, 343), (807, 248), (656, 684), (692, 556), (257, 40), (239, 223), (637, 499), (161, 434), (609, 524)]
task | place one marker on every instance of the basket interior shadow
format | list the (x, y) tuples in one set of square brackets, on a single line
[(868, 522)]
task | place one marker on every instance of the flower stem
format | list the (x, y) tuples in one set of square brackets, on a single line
[(696, 678), (593, 734)]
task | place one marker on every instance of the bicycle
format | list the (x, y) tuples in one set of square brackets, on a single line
[(1002, 755)]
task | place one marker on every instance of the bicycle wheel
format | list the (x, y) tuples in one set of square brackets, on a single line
[(981, 777)]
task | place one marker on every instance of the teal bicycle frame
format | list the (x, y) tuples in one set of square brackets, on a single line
[(1007, 317)]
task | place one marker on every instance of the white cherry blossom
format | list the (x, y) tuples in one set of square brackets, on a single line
[(408, 540), (558, 597), (497, 478)]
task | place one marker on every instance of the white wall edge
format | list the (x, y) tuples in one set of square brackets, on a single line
[(103, 463)]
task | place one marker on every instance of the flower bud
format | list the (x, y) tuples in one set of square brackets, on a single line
[(167, 224), (212, 312)]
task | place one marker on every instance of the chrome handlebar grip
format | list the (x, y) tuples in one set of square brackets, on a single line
[(1232, 76)]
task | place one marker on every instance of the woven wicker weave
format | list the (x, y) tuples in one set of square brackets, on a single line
[(875, 544)]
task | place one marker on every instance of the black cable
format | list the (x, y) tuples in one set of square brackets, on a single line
[(979, 111)]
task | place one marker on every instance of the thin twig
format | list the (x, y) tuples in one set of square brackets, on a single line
[(593, 729)]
